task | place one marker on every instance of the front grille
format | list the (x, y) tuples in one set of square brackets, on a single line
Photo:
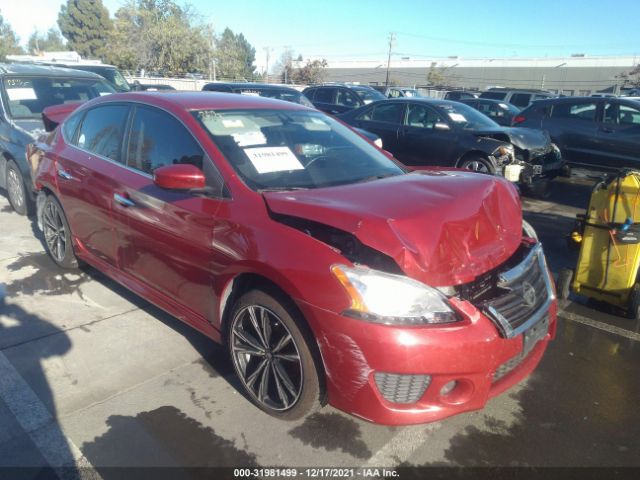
[(527, 296), (518, 297), (399, 388)]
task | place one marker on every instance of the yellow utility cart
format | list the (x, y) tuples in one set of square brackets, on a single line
[(609, 239)]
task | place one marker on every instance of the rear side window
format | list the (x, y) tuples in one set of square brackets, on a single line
[(494, 95), (309, 93), (158, 139), (325, 95), (101, 130), (575, 111), (520, 99), (384, 112)]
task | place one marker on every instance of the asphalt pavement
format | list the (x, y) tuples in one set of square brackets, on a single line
[(92, 375)]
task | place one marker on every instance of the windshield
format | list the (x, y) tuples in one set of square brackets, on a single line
[(511, 107), (293, 149), (284, 94), (467, 117), (28, 96), (369, 95), (411, 92), (113, 75)]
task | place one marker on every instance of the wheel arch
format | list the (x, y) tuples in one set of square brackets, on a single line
[(247, 281)]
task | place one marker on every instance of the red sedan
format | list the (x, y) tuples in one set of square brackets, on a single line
[(329, 271)]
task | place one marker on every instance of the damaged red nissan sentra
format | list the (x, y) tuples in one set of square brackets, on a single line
[(329, 272)]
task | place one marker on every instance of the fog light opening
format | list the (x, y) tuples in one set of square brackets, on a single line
[(456, 392), (448, 388)]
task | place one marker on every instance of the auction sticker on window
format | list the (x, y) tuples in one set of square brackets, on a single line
[(273, 159), (17, 94)]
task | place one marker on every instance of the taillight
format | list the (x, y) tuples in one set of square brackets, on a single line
[(518, 119)]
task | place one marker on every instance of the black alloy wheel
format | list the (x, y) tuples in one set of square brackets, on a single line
[(57, 234)]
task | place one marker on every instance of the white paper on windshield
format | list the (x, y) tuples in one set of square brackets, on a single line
[(457, 117), (16, 94), (251, 94), (232, 123), (273, 159), (244, 139), (102, 94)]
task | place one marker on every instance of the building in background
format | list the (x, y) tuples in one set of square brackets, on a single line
[(575, 75)]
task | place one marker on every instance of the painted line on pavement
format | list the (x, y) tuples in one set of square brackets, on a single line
[(402, 445), (573, 317), (57, 449)]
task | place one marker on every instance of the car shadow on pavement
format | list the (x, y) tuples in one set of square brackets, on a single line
[(33, 426), (579, 408), (574, 192)]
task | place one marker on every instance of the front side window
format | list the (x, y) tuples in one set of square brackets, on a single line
[(575, 111), (28, 96), (623, 115), (275, 149), (325, 95), (101, 130), (368, 95), (347, 99), (158, 139), (421, 116), (465, 116)]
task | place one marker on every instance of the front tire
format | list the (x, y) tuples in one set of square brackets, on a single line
[(271, 356), (16, 190), (57, 234), (477, 163)]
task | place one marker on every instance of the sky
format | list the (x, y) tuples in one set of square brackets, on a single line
[(359, 29)]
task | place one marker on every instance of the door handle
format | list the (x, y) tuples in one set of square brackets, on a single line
[(66, 175), (122, 200)]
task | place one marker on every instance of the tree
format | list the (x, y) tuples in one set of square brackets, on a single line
[(8, 40), (435, 75), (160, 36), (312, 72), (51, 41), (86, 26), (631, 78), (234, 56), (284, 66)]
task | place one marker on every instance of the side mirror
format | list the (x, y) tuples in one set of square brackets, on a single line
[(442, 126), (181, 176)]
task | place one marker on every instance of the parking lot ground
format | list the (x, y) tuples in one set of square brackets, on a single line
[(90, 374)]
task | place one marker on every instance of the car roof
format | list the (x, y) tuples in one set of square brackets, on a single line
[(44, 71), (200, 100), (507, 89), (257, 86)]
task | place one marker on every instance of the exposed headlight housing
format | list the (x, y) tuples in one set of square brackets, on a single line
[(507, 150), (381, 297)]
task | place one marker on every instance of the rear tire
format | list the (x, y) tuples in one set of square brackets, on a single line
[(633, 311), (563, 286), (57, 234), (477, 163), (17, 191), (271, 354)]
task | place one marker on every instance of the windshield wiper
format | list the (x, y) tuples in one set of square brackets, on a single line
[(380, 176)]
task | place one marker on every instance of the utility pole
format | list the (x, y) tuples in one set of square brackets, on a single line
[(392, 41), (266, 72)]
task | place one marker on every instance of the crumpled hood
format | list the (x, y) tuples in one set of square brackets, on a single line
[(524, 138), (442, 227)]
